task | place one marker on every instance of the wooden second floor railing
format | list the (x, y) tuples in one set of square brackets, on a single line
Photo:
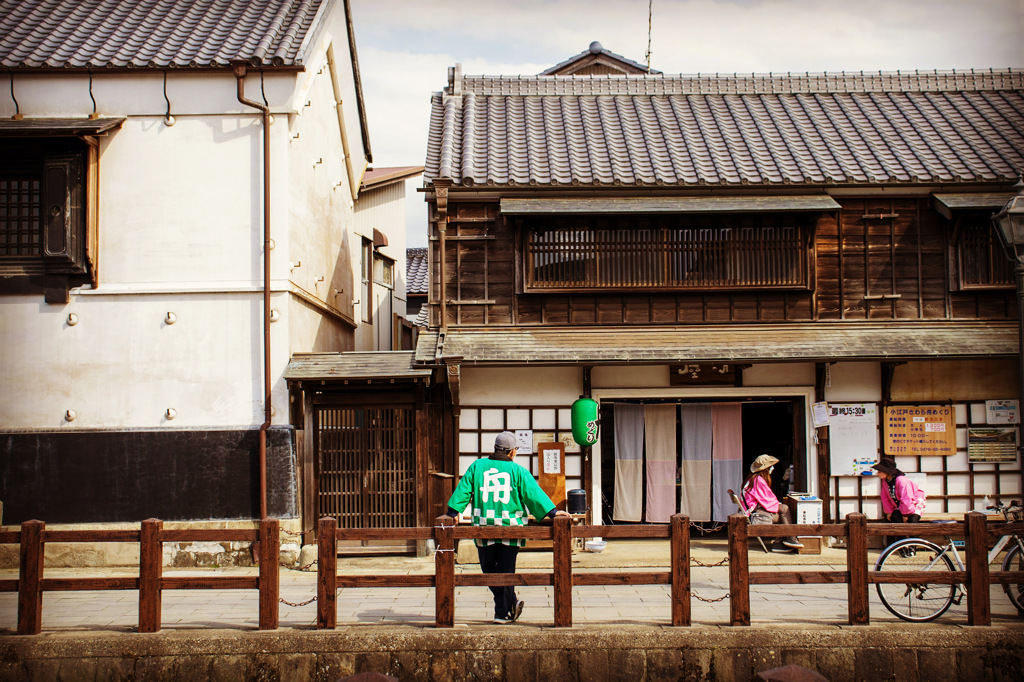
[(31, 583)]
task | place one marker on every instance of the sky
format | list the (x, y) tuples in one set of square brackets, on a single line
[(405, 47)]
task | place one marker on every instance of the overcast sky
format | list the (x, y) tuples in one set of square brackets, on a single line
[(406, 46)]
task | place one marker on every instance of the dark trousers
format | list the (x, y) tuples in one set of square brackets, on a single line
[(897, 517), (499, 558)]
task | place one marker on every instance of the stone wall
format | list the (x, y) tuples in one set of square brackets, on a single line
[(630, 653)]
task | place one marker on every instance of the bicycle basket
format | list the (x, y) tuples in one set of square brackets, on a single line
[(1014, 514)]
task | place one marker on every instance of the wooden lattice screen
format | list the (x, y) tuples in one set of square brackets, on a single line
[(667, 256), (366, 472)]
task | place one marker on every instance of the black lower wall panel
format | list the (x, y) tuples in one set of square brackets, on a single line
[(180, 475)]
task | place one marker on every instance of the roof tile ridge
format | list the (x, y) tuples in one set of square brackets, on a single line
[(291, 32), (271, 32)]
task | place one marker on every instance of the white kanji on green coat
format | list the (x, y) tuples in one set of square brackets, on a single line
[(502, 493)]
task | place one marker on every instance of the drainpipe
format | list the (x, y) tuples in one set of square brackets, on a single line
[(239, 70)]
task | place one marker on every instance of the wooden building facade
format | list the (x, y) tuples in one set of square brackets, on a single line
[(753, 244)]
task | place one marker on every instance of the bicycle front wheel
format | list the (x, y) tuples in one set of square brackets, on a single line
[(917, 603), (1014, 561)]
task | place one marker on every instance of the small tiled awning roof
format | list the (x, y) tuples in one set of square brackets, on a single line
[(58, 127), (354, 366), (738, 204), (947, 203), (725, 343)]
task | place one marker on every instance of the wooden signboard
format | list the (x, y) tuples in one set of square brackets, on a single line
[(551, 467), (920, 430)]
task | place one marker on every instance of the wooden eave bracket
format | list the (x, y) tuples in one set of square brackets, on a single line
[(453, 372), (441, 186)]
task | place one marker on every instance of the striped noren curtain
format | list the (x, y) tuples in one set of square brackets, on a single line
[(629, 462), (727, 457), (695, 491), (660, 439)]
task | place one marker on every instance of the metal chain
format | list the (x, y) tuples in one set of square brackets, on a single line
[(698, 562), (709, 601), (296, 533), (703, 531), (301, 603)]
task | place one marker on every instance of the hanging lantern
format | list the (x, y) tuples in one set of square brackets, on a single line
[(584, 422)]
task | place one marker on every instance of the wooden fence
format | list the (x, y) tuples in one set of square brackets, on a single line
[(150, 583), (31, 584)]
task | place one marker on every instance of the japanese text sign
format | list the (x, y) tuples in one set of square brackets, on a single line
[(920, 430)]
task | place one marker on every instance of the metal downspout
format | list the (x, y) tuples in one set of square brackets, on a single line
[(240, 70)]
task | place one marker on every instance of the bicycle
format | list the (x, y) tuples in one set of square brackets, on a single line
[(924, 602)]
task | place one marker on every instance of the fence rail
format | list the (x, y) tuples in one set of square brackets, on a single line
[(31, 583)]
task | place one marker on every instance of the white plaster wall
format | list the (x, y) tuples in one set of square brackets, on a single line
[(856, 382), (520, 386), (122, 365), (181, 231), (779, 374)]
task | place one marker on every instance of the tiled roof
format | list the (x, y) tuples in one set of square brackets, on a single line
[(417, 275), (726, 343), (753, 129), (596, 50), (353, 366), (153, 33)]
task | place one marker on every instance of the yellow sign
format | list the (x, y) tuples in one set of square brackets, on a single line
[(920, 430)]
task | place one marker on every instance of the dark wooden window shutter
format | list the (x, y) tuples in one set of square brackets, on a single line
[(63, 215)]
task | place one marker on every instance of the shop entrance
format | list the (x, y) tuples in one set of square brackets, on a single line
[(708, 444)]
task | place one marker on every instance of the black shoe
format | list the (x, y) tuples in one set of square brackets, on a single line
[(779, 547), (518, 611), (792, 543)]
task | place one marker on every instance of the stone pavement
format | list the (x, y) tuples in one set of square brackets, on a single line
[(593, 606)]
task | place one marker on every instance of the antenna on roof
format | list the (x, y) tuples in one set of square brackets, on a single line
[(650, 8)]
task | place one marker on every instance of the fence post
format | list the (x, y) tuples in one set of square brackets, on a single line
[(151, 560), (561, 535), (30, 578), (679, 546), (739, 576), (979, 606), (444, 572), (270, 573), (327, 573), (857, 568)]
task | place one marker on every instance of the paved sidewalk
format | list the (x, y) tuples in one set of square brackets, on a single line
[(599, 606)]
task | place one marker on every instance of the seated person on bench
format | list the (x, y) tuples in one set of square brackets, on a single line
[(758, 496)]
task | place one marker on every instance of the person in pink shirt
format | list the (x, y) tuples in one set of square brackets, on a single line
[(902, 500), (758, 496)]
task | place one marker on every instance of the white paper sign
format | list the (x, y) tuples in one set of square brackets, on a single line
[(552, 461), (525, 439), (1002, 411), (819, 413), (853, 438)]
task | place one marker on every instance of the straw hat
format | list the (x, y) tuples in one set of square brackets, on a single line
[(763, 462)]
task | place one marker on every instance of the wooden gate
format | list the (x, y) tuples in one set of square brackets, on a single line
[(366, 466)]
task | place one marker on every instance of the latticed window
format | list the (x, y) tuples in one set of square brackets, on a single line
[(705, 252), (20, 226), (983, 261)]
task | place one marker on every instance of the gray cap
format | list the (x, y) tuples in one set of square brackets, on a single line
[(505, 441)]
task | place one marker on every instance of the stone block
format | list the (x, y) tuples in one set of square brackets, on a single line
[(834, 663), (446, 666), (594, 664), (227, 668), (413, 666), (330, 667), (873, 664), (520, 666), (484, 665), (731, 664), (558, 664)]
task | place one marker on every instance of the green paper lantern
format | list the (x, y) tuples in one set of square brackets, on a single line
[(584, 422)]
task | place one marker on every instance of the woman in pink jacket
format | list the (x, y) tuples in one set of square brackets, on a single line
[(758, 496), (902, 500)]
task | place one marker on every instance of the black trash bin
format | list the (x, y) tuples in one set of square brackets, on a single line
[(576, 501)]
